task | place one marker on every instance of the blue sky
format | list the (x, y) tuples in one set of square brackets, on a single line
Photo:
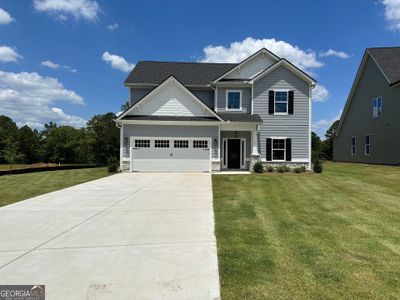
[(65, 60)]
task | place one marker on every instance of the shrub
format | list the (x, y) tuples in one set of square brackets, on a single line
[(270, 169), (317, 167), (258, 167), (300, 169), (283, 169), (113, 165)]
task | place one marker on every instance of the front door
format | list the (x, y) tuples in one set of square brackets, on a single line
[(234, 154)]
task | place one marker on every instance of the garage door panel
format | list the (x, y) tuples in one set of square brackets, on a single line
[(171, 159)]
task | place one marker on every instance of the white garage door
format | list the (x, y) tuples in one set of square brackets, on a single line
[(171, 155)]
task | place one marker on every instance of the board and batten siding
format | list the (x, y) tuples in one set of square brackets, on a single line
[(171, 100), (294, 126), (252, 67), (170, 131), (246, 99), (384, 130)]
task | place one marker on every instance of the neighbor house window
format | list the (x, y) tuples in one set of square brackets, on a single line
[(367, 144), (281, 102), (161, 143), (200, 144), (181, 144), (233, 99), (278, 149), (353, 145), (142, 143), (377, 107)]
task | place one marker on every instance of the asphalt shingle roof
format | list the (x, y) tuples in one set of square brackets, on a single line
[(240, 117), (388, 60), (188, 73)]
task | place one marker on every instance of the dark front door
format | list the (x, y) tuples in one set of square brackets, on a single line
[(234, 154)]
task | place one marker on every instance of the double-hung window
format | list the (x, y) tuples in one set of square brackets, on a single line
[(234, 100), (281, 102), (377, 112), (353, 145), (278, 149), (367, 144)]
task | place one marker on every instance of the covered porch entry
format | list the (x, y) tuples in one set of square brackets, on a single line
[(239, 145)]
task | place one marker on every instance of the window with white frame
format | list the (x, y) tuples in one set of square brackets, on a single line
[(161, 143), (281, 102), (353, 145), (377, 107), (278, 149), (367, 144), (200, 144), (181, 144), (233, 100), (142, 143)]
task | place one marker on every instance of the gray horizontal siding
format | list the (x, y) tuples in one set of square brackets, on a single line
[(246, 98), (172, 131), (359, 121), (294, 126)]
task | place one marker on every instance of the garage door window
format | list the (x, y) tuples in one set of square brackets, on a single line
[(161, 143), (181, 144), (142, 143), (200, 144)]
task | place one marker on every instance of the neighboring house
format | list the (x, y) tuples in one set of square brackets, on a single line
[(202, 117), (369, 128)]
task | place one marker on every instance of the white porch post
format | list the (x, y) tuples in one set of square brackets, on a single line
[(254, 142), (121, 147)]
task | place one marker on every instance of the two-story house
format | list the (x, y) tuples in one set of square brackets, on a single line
[(202, 117), (369, 128)]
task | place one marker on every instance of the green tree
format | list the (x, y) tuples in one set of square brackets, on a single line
[(8, 129), (316, 146), (328, 143), (10, 152), (29, 142), (104, 135), (125, 106)]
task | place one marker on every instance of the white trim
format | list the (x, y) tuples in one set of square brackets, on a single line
[(226, 100), (272, 149), (287, 103), (215, 98), (121, 146), (309, 127), (242, 154), (158, 88), (252, 98), (299, 73), (355, 146), (262, 50), (365, 145), (155, 122)]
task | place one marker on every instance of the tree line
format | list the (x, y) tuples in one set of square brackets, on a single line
[(324, 149), (94, 144)]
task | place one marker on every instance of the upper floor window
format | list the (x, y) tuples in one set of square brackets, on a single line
[(353, 145), (281, 102), (377, 107), (234, 100)]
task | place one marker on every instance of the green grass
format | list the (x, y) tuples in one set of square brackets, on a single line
[(14, 188), (309, 236), (6, 167)]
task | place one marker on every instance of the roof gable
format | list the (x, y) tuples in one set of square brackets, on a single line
[(251, 66), (170, 98), (388, 61)]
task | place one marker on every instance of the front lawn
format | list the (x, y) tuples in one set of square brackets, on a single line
[(15, 188), (309, 236)]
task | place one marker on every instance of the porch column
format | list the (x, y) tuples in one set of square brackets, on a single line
[(255, 156)]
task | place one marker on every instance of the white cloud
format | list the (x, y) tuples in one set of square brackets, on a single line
[(113, 26), (79, 9), (392, 13), (52, 65), (321, 126), (238, 51), (117, 62), (335, 53), (5, 17), (320, 94), (29, 98), (8, 54)]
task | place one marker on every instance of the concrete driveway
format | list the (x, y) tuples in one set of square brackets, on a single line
[(127, 236)]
